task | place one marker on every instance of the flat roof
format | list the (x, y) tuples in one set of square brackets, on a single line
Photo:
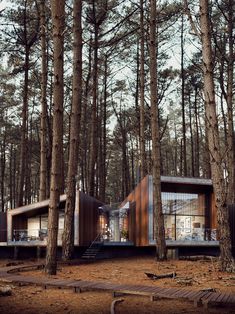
[(186, 180), (35, 207)]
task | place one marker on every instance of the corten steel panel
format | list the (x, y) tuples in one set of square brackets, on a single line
[(3, 227), (88, 219), (140, 197), (144, 212)]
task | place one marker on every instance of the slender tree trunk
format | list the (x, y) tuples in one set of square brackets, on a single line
[(3, 170), (58, 16), (229, 99), (43, 120), (216, 159), (192, 139), (28, 172), (103, 140), (68, 235), (184, 148), (156, 158), (93, 144), (197, 145), (24, 132), (11, 178), (143, 171)]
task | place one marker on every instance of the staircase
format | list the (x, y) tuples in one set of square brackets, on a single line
[(93, 250)]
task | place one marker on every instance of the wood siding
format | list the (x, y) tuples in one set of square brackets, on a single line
[(88, 219)]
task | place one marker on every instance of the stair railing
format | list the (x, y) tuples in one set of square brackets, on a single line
[(95, 240)]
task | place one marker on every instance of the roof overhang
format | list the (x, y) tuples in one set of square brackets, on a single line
[(38, 208)]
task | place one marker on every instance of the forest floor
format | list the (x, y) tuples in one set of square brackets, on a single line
[(198, 274)]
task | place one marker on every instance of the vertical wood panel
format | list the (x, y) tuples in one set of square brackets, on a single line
[(88, 219)]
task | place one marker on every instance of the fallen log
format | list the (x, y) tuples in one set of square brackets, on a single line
[(112, 310), (205, 258), (155, 277)]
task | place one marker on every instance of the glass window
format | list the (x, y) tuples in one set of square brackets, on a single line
[(183, 203)]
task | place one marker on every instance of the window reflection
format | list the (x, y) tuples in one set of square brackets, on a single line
[(184, 216)]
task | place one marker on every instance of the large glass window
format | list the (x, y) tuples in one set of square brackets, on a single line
[(184, 216)]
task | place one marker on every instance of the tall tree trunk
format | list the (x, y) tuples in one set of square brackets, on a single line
[(156, 158), (28, 171), (3, 170), (197, 146), (68, 235), (11, 177), (143, 171), (84, 120), (43, 120), (58, 17), (93, 144), (229, 99), (184, 148), (216, 159), (103, 140), (192, 138), (24, 130)]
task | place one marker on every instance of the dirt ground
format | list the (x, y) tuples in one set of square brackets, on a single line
[(192, 274)]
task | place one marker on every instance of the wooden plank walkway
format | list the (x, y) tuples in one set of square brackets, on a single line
[(204, 298)]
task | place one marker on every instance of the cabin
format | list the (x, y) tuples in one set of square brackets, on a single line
[(27, 225), (189, 217), (188, 208)]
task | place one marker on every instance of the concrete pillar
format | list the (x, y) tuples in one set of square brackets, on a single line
[(38, 252)]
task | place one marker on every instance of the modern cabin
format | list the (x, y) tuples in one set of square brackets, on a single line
[(27, 225), (188, 208)]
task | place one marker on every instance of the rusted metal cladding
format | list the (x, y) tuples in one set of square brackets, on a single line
[(138, 225), (88, 219), (3, 227)]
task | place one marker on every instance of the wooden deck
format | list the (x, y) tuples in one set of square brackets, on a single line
[(199, 298)]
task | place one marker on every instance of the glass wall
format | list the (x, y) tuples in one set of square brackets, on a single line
[(184, 215)]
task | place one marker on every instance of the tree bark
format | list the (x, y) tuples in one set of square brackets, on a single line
[(68, 234), (184, 148), (43, 120), (93, 144), (24, 127), (156, 159), (229, 100), (143, 170), (216, 159), (58, 16)]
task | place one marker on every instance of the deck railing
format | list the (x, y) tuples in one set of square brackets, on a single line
[(191, 234), (33, 235)]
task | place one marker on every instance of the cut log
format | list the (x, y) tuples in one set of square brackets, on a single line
[(5, 291), (155, 277)]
